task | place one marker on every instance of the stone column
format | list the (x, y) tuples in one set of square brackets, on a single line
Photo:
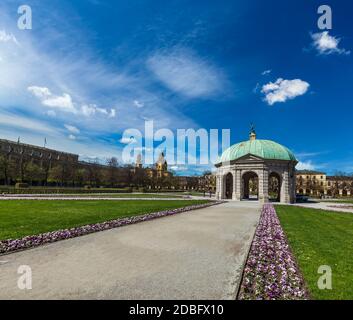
[(221, 187), (238, 188), (263, 185), (234, 195), (292, 186), (217, 187), (285, 197)]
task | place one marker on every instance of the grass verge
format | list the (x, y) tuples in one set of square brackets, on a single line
[(320, 237), (19, 218)]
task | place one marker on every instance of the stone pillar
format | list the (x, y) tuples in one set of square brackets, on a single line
[(238, 188), (348, 193), (217, 187), (221, 187), (234, 195), (285, 192), (341, 192), (263, 186), (292, 190)]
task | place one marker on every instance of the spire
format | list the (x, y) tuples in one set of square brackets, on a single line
[(138, 161), (252, 132)]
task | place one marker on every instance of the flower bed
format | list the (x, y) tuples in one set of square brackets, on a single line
[(271, 272), (10, 245)]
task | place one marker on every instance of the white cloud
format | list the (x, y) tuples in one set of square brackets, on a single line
[(282, 90), (92, 109), (266, 72), (182, 71), (128, 140), (305, 165), (39, 92), (72, 129), (63, 102), (138, 104), (88, 110), (21, 122), (179, 168), (85, 77), (112, 113), (326, 44), (7, 37), (72, 137), (51, 113)]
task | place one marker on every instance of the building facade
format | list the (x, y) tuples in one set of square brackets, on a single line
[(318, 184)]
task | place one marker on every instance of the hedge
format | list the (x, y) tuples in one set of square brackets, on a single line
[(53, 190)]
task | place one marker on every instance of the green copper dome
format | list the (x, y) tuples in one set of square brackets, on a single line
[(265, 149)]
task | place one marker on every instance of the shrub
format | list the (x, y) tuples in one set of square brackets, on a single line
[(20, 185), (61, 190)]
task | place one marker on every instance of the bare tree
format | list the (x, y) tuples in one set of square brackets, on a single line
[(112, 172)]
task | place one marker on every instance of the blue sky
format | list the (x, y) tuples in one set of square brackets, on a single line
[(90, 69)]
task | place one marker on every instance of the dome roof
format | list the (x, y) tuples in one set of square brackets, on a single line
[(265, 149)]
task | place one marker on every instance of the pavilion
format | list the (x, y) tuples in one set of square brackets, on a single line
[(256, 169)]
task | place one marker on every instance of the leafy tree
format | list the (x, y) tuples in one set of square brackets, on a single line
[(80, 176), (111, 174), (7, 169), (34, 173)]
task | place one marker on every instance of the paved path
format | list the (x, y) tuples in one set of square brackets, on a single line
[(195, 255), (330, 206)]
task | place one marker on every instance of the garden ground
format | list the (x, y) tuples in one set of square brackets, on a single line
[(320, 237), (19, 218), (194, 255), (95, 195)]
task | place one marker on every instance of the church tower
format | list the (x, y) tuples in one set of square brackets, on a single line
[(161, 165), (138, 163)]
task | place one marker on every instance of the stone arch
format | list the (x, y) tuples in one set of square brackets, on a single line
[(228, 182), (250, 185), (274, 186)]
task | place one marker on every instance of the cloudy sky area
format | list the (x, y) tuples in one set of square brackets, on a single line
[(88, 70)]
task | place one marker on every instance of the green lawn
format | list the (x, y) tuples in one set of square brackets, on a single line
[(319, 237), (19, 218), (110, 195)]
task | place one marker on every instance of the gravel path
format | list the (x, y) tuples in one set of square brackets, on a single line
[(330, 206), (196, 255)]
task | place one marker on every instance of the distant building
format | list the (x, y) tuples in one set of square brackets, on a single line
[(158, 170), (317, 183), (18, 151), (207, 182)]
